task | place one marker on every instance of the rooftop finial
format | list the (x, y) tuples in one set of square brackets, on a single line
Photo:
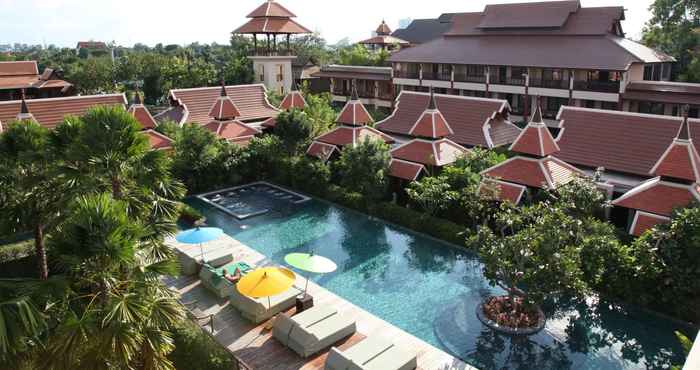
[(223, 88), (432, 104), (24, 108), (537, 115), (354, 95), (684, 131)]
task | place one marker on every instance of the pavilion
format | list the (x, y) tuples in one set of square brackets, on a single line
[(293, 100), (224, 122), (384, 40)]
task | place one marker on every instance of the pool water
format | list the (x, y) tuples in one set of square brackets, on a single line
[(431, 290)]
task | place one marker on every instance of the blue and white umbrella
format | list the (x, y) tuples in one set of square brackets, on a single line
[(199, 235)]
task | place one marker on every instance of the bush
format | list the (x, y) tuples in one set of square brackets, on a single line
[(195, 350), (364, 168), (15, 251), (190, 215)]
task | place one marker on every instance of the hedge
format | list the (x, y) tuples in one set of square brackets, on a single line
[(195, 350)]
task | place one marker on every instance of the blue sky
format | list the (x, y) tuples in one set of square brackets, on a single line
[(64, 22)]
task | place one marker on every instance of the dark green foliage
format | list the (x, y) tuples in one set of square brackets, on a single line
[(169, 128), (195, 350), (359, 55), (190, 215), (364, 168), (295, 130), (15, 251)]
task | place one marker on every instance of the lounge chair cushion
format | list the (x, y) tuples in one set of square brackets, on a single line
[(373, 353), (313, 330), (258, 310), (213, 279)]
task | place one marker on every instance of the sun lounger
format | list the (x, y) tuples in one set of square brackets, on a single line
[(373, 353), (191, 256), (213, 277), (258, 310), (312, 330)]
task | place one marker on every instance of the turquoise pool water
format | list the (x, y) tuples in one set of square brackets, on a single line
[(431, 289)]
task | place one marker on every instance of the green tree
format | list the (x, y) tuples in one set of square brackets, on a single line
[(29, 185), (432, 194), (358, 55), (295, 130), (673, 28), (320, 112), (363, 168), (92, 76), (197, 154)]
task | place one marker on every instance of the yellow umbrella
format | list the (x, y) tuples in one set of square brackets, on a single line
[(266, 282)]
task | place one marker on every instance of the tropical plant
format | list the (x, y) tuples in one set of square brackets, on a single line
[(197, 156), (320, 112), (359, 55), (432, 194), (364, 167), (30, 189), (295, 130)]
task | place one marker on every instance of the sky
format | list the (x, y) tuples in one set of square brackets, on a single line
[(64, 22)]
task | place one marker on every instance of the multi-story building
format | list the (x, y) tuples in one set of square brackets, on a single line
[(23, 77), (374, 85), (558, 50)]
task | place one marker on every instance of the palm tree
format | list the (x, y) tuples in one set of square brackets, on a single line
[(29, 185)]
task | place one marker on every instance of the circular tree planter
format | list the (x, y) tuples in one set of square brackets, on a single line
[(508, 329)]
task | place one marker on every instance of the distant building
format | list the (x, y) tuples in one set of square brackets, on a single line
[(420, 31), (16, 77), (373, 84), (383, 40), (91, 46)]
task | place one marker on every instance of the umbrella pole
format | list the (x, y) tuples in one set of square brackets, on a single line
[(269, 305), (201, 250), (306, 286)]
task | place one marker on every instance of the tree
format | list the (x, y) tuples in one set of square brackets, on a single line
[(431, 193), (358, 55), (320, 112), (197, 154), (364, 167), (673, 28), (29, 185), (295, 130), (92, 76)]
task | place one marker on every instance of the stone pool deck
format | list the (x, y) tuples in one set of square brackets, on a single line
[(255, 346)]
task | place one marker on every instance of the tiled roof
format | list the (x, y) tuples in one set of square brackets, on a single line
[(355, 72), (436, 153), (321, 150), (506, 191), (424, 30), (680, 161), (232, 130), (50, 112), (619, 141), (431, 124), (528, 15), (19, 68), (658, 196), (384, 40), (224, 109), (249, 99), (550, 171), (142, 115), (405, 170), (475, 121), (271, 9), (535, 139), (644, 221), (272, 25), (663, 92), (158, 141), (344, 135), (354, 113), (383, 29), (292, 100)]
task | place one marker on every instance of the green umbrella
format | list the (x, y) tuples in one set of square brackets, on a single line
[(311, 263)]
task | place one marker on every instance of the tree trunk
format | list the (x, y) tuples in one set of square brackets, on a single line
[(41, 251), (116, 188)]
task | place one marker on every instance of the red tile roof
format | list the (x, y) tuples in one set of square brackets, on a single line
[(644, 221), (406, 170), (681, 160), (142, 115), (550, 171), (344, 135), (272, 25), (431, 124), (619, 141), (354, 113), (475, 121), (658, 196), (506, 191), (321, 150), (436, 153), (271, 9), (293, 100), (249, 99), (18, 68), (50, 112), (535, 139), (158, 141), (224, 109), (383, 29), (232, 130)]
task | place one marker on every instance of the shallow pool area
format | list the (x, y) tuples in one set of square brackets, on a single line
[(431, 289)]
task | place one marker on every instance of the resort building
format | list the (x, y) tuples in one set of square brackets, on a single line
[(194, 105), (383, 40), (514, 51), (420, 31), (374, 85), (272, 62), (224, 123), (430, 150), (473, 121), (293, 100), (662, 97), (534, 167), (676, 184), (16, 77), (352, 128)]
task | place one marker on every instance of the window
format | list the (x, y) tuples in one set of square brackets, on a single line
[(475, 71), (280, 73), (517, 72), (648, 72), (261, 72), (609, 105), (651, 107), (553, 104)]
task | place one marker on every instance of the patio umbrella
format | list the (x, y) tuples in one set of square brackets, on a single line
[(266, 282), (199, 235), (311, 263)]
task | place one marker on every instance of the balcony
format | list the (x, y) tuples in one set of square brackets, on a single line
[(407, 74), (468, 78), (549, 84), (272, 52), (437, 76), (497, 80), (598, 86)]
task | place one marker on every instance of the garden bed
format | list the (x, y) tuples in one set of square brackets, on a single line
[(510, 316)]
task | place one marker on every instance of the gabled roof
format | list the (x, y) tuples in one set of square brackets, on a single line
[(506, 191), (624, 142), (354, 112), (293, 100), (659, 197), (535, 139), (141, 113), (528, 15), (196, 103), (321, 150), (424, 30), (384, 40), (344, 135), (21, 68), (50, 112), (224, 108), (232, 130), (550, 172), (158, 141), (271, 9), (271, 17), (644, 221), (406, 170), (436, 153), (681, 159), (474, 121), (431, 124)]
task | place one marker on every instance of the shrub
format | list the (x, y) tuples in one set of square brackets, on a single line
[(195, 350), (15, 251), (190, 215), (295, 130), (364, 168)]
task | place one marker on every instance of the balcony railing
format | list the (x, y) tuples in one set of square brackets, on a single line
[(550, 84), (437, 76), (272, 52), (407, 74), (497, 80), (598, 86), (468, 78)]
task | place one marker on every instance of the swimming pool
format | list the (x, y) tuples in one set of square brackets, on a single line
[(431, 289)]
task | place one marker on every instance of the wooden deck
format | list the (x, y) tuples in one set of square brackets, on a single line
[(254, 345)]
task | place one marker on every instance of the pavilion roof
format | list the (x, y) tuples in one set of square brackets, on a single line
[(271, 9), (535, 139), (272, 18), (550, 172), (435, 153), (322, 150), (406, 170), (644, 221), (224, 108), (431, 124), (681, 159), (507, 191), (344, 135), (659, 196), (233, 131), (354, 112), (141, 113), (293, 100), (383, 29), (158, 141)]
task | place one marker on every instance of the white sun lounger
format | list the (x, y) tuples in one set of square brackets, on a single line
[(373, 353), (312, 330)]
